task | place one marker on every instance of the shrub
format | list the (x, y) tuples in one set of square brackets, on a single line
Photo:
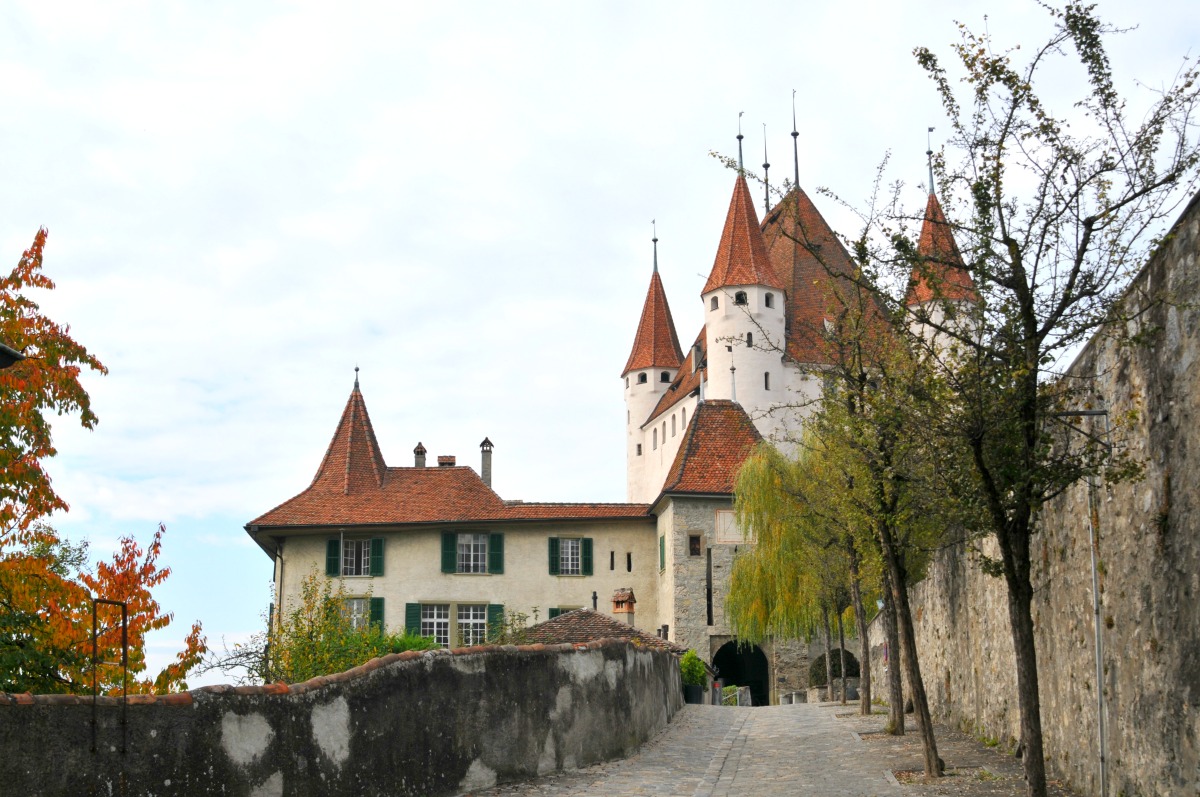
[(816, 670), (692, 669)]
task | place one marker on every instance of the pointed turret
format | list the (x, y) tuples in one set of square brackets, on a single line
[(742, 255), (353, 461), (656, 345), (942, 276)]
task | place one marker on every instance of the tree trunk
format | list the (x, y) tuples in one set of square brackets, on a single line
[(1021, 620), (895, 681), (828, 655), (908, 643), (842, 656), (864, 645)]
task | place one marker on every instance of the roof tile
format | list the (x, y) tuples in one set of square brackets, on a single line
[(656, 345), (943, 276), (742, 257), (584, 625), (717, 441)]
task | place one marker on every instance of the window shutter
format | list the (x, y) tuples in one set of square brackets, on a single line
[(449, 552), (496, 553), (377, 610), (555, 612), (377, 557), (495, 619), (412, 618), (333, 557), (554, 556), (585, 556), (662, 553)]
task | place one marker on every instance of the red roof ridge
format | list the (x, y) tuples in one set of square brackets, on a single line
[(353, 458), (742, 257), (686, 381), (717, 441), (942, 274), (656, 345)]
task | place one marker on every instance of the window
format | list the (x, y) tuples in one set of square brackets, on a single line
[(353, 557), (728, 532), (683, 418), (713, 303), (472, 625), (435, 622), (612, 560), (767, 380), (694, 545), (628, 562), (639, 449), (358, 612), (570, 556), (641, 379), (672, 426), (665, 376), (662, 553), (626, 381), (769, 300), (749, 340), (472, 552), (654, 440), (739, 297)]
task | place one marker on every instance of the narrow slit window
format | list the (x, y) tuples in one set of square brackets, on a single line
[(769, 300), (713, 303), (672, 426), (654, 440), (628, 562), (750, 340), (767, 380)]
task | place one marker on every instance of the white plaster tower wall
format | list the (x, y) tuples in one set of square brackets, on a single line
[(745, 314), (644, 388)]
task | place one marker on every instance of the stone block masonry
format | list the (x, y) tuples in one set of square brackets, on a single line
[(416, 723), (1149, 563)]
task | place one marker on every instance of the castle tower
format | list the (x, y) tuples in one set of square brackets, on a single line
[(745, 306), (940, 290), (652, 366)]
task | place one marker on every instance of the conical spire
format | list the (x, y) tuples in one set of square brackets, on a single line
[(943, 276), (656, 344), (742, 255), (353, 461)]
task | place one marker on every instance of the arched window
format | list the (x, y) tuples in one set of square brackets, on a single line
[(767, 380), (750, 340), (769, 300), (665, 376), (672, 426), (654, 441), (683, 418), (739, 297), (713, 304), (641, 379)]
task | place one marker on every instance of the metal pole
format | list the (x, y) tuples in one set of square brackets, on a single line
[(1094, 532)]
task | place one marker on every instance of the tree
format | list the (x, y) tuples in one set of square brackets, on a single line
[(1055, 221)]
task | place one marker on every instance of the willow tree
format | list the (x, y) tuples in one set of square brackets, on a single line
[(1059, 208)]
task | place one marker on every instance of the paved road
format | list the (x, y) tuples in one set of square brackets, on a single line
[(713, 751)]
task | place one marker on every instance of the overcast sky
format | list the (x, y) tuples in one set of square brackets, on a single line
[(246, 200)]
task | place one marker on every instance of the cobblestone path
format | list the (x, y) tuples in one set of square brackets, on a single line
[(711, 751)]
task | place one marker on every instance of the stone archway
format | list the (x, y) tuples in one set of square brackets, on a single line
[(745, 666)]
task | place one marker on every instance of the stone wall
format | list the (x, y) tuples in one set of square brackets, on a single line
[(1149, 561), (431, 723)]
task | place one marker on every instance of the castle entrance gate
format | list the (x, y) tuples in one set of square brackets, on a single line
[(745, 666)]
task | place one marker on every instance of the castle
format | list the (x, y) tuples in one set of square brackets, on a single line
[(435, 550)]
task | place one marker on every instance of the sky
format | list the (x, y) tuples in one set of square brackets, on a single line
[(245, 201)]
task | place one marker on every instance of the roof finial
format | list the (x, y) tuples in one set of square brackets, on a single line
[(356, 377), (929, 156), (766, 177), (795, 138), (654, 226), (741, 166)]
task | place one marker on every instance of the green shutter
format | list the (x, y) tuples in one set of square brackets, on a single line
[(377, 556), (495, 615), (662, 553), (449, 552), (412, 618), (555, 612), (496, 553), (333, 557), (585, 556), (554, 556), (377, 613)]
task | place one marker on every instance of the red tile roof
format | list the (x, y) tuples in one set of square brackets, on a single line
[(354, 487), (717, 441), (585, 625), (685, 381), (742, 257), (655, 345), (943, 276)]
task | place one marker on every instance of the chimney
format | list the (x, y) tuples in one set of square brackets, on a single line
[(445, 461), (419, 455), (623, 602), (485, 469)]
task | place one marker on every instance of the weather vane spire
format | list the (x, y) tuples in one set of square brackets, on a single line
[(654, 226), (766, 175), (741, 165), (795, 148), (356, 377), (929, 156)]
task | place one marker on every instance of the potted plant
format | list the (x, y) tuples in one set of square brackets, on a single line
[(693, 672)]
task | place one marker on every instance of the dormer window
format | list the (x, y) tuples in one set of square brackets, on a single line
[(713, 304), (739, 297), (642, 379), (665, 376), (769, 300)]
